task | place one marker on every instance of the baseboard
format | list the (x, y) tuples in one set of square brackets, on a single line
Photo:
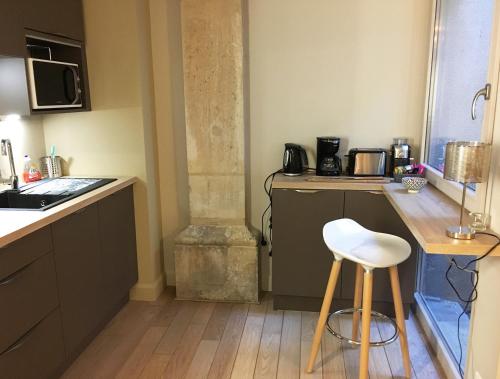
[(434, 339), (148, 291)]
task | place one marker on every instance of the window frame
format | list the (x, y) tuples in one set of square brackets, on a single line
[(476, 200)]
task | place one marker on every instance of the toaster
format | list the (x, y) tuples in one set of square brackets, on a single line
[(366, 162)]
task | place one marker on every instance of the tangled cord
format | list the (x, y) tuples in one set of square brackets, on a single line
[(474, 278), (268, 191)]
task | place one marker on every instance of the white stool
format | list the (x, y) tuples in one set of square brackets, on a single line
[(347, 239)]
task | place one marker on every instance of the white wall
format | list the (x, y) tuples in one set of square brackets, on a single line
[(118, 136), (353, 69), (170, 125)]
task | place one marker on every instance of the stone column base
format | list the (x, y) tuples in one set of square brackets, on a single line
[(217, 263)]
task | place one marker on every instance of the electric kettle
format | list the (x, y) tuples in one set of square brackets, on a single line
[(294, 160)]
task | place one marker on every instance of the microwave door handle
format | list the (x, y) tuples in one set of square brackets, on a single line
[(76, 81)]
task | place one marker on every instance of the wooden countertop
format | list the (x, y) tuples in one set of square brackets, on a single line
[(313, 182), (427, 214), (16, 224)]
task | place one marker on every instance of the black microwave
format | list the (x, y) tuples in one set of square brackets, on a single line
[(54, 84)]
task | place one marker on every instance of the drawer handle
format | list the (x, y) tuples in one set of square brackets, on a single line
[(12, 277), (375, 192), (307, 191), (21, 341)]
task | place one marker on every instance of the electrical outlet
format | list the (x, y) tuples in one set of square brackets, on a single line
[(478, 376)]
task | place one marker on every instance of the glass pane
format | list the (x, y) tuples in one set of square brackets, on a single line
[(460, 69), (442, 304)]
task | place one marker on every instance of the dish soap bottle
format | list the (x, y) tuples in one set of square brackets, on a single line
[(30, 172)]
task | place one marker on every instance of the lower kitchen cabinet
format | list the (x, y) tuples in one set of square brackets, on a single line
[(79, 274), (302, 262), (28, 295), (61, 284), (372, 210), (118, 244), (96, 265), (37, 354)]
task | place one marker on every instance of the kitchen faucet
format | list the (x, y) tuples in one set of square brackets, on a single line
[(6, 147)]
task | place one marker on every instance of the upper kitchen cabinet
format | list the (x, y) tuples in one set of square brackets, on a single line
[(49, 34), (55, 17), (59, 17), (11, 29)]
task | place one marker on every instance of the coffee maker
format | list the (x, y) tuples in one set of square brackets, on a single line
[(400, 154), (327, 162)]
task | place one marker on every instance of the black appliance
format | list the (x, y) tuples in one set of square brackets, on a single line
[(327, 162), (294, 160), (400, 154), (54, 84)]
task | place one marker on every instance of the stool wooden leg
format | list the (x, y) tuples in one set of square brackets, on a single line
[(400, 318), (323, 315), (365, 324), (358, 294)]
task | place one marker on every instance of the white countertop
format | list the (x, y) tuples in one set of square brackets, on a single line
[(15, 224)]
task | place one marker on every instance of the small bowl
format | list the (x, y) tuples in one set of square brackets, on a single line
[(414, 184)]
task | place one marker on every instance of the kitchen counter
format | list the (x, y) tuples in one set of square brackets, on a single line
[(313, 182), (426, 214), (15, 224)]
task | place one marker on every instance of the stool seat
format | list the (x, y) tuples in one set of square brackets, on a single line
[(347, 239)]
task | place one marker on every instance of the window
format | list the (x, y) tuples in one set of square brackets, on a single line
[(441, 303), (459, 68), (460, 62)]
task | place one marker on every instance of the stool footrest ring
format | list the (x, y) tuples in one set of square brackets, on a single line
[(384, 342)]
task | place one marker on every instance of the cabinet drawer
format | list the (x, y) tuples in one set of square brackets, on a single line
[(22, 252), (27, 295), (38, 354)]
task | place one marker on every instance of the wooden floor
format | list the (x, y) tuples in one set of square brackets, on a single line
[(182, 339)]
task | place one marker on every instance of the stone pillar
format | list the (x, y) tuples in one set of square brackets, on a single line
[(216, 256)]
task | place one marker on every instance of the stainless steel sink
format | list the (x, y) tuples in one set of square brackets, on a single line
[(48, 193)]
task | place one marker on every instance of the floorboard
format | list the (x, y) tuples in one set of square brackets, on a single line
[(223, 362), (289, 356), (267, 360), (248, 350), (309, 320), (332, 354), (198, 340), (183, 355)]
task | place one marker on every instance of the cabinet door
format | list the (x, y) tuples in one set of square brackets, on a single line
[(11, 29), (60, 17), (119, 255), (301, 260), (373, 211), (78, 267)]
